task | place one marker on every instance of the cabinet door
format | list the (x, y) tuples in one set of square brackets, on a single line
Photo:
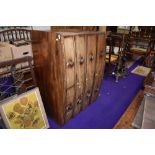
[(69, 104), (100, 55), (90, 68), (80, 48), (87, 94), (100, 63), (96, 89), (69, 76), (69, 51)]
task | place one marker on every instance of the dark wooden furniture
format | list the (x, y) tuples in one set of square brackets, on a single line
[(140, 41), (69, 69), (150, 59), (113, 47)]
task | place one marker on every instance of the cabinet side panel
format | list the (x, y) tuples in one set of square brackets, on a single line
[(40, 56), (48, 72), (56, 78)]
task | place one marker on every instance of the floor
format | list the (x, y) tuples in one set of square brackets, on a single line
[(106, 111)]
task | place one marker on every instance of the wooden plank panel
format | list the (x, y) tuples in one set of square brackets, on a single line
[(100, 64), (90, 68), (91, 57), (69, 104), (70, 60), (80, 45), (96, 89), (100, 55), (48, 64)]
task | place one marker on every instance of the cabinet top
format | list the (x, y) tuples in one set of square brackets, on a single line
[(66, 33), (73, 33)]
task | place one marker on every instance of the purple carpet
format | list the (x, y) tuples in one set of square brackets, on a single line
[(114, 99)]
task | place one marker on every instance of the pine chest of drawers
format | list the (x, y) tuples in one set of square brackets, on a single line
[(69, 69)]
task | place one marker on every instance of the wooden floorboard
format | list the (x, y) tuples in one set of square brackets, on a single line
[(127, 118)]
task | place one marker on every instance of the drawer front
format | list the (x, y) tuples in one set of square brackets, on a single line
[(69, 48), (69, 104), (21, 51), (100, 55)]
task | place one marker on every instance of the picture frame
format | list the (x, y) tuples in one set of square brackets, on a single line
[(2, 125), (24, 111), (141, 70)]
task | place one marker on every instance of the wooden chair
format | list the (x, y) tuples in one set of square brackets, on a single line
[(113, 47), (150, 60)]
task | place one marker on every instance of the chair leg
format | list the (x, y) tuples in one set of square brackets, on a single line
[(108, 69), (117, 78)]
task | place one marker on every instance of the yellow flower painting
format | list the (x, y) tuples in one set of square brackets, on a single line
[(25, 112), (141, 70)]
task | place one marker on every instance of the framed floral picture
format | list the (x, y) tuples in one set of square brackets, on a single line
[(25, 111)]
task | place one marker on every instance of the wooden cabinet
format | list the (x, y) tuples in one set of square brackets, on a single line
[(69, 69)]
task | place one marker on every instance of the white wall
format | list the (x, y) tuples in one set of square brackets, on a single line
[(43, 28)]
